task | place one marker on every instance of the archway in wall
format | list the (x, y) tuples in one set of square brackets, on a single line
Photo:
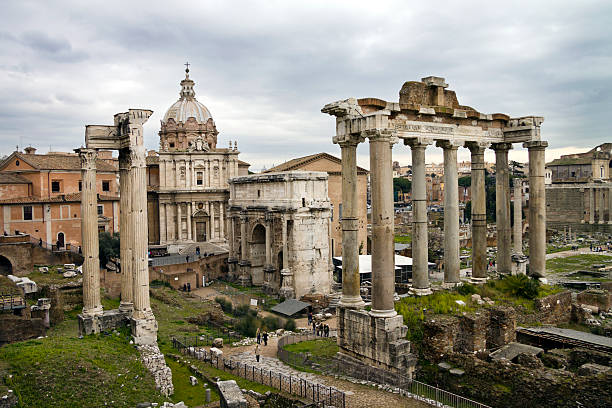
[(258, 246), (60, 240), (6, 268), (201, 223)]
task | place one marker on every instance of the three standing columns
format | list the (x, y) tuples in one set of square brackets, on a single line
[(502, 208), (351, 296), (89, 228), (383, 256), (451, 213), (126, 223), (537, 208), (420, 269), (479, 212)]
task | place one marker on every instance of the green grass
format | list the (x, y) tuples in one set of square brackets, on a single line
[(575, 263), (61, 371), (318, 348), (403, 239), (191, 395), (7, 285)]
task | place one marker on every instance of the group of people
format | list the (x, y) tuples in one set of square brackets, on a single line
[(187, 287), (319, 329), (261, 336)]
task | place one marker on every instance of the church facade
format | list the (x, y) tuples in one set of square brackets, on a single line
[(188, 189)]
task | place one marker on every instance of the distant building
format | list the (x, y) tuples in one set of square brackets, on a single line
[(40, 194), (333, 167), (579, 190)]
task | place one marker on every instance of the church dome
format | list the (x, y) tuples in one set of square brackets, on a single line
[(187, 106)]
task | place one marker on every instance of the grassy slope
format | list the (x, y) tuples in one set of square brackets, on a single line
[(576, 262), (318, 348), (65, 371)]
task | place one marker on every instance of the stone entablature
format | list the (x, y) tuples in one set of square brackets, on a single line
[(279, 232)]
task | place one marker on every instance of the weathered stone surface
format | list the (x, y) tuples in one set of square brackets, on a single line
[(14, 328), (593, 369), (231, 395), (218, 342), (512, 350), (600, 298), (154, 360)]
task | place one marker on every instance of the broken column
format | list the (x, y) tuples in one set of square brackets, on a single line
[(502, 208), (537, 208), (126, 224), (89, 231), (451, 214), (350, 226), (420, 270), (479, 213)]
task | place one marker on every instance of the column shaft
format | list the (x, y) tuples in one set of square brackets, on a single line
[(142, 306), (502, 208), (602, 206), (591, 205), (243, 239), (518, 217), (163, 235), (350, 225), (609, 206), (213, 221), (221, 220), (89, 231), (451, 215), (537, 208), (383, 257), (268, 243), (479, 213), (285, 246), (189, 210), (125, 250), (179, 222), (420, 268)]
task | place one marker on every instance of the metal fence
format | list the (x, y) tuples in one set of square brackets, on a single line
[(11, 301), (322, 395), (415, 389)]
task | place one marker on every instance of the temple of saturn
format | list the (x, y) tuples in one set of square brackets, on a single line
[(427, 112), (126, 136)]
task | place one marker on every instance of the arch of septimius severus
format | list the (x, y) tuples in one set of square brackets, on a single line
[(426, 113), (126, 136)]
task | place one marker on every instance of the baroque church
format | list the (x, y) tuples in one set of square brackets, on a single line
[(188, 189)]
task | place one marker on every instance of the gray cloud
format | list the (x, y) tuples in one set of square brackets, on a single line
[(265, 69)]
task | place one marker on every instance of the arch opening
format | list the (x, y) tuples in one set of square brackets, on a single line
[(6, 268)]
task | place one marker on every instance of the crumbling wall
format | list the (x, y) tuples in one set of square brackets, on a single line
[(600, 298), (15, 328), (553, 309)]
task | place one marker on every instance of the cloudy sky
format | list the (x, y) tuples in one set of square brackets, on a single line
[(265, 68)]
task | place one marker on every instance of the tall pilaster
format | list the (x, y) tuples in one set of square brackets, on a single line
[(189, 211), (602, 205), (383, 257), (89, 232), (479, 213), (502, 208), (142, 306), (518, 217), (537, 208), (286, 289), (591, 205), (179, 222), (163, 234), (221, 220), (451, 214), (609, 206), (420, 268), (350, 226), (268, 267), (244, 258), (213, 221), (126, 224)]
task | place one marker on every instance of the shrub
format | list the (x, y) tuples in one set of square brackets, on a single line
[(241, 310), (290, 325), (271, 323), (248, 325), (226, 305), (467, 289), (521, 286)]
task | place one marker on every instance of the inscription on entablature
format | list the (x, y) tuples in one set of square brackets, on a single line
[(409, 127)]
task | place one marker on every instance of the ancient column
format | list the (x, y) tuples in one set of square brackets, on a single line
[(383, 259), (420, 269), (502, 208), (162, 224), (602, 206), (142, 306), (189, 210), (286, 289), (479, 213), (285, 244), (518, 217), (213, 228), (89, 233), (609, 206), (451, 214), (537, 208), (591, 205), (221, 220), (125, 250), (268, 226), (350, 226), (179, 223), (244, 261)]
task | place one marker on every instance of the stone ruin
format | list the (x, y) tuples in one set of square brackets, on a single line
[(125, 135), (426, 113)]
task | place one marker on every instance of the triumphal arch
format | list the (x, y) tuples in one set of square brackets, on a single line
[(426, 113), (125, 135)]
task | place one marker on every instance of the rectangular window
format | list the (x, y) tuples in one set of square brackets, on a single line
[(106, 186), (200, 178), (55, 186), (65, 211), (27, 212), (80, 185), (100, 209)]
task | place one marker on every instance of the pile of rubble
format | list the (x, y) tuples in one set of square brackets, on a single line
[(153, 359)]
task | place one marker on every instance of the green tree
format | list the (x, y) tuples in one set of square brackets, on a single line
[(400, 185), (109, 247), (465, 181)]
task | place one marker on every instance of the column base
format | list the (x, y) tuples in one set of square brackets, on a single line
[(420, 291), (351, 302), (382, 313), (451, 285), (244, 280), (94, 311), (126, 307), (144, 330), (107, 321), (478, 281)]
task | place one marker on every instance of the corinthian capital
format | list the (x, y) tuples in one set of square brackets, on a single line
[(138, 156), (88, 158), (348, 140), (380, 135)]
